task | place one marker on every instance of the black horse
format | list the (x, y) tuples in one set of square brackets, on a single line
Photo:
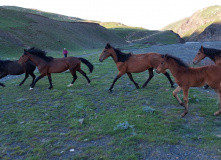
[(8, 67)]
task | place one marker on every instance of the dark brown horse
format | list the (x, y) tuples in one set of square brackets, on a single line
[(47, 65), (187, 77), (132, 63), (213, 54), (8, 67)]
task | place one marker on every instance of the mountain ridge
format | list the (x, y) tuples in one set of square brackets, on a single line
[(190, 28)]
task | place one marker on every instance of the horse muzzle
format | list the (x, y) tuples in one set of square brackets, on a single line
[(158, 71), (100, 60), (195, 62)]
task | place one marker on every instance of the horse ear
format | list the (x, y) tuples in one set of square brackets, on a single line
[(108, 46), (25, 51), (201, 48)]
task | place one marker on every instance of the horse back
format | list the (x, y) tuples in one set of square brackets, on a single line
[(14, 68), (140, 62)]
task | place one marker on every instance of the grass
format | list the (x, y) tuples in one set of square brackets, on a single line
[(45, 124)]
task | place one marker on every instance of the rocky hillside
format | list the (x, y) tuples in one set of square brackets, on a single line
[(203, 25)]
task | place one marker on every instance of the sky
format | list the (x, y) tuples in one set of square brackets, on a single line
[(149, 14)]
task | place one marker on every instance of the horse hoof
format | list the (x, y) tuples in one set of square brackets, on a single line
[(88, 84), (70, 85), (216, 113), (31, 89), (183, 115)]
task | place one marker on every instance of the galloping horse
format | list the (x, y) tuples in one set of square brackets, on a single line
[(132, 63), (47, 65), (8, 67), (187, 77), (213, 54)]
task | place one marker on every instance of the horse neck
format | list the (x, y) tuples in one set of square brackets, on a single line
[(36, 60), (114, 56), (212, 57), (175, 68)]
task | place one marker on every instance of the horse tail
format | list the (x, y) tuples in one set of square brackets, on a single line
[(86, 62)]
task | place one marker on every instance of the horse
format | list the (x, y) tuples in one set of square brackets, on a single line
[(213, 54), (187, 77), (47, 65), (8, 67), (132, 63)]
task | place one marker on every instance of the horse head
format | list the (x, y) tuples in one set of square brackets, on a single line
[(24, 58), (199, 56), (106, 52), (163, 64)]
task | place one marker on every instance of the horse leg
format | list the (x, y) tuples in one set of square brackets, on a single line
[(74, 78), (185, 99), (1, 84), (115, 79), (36, 80), (33, 77), (168, 77), (175, 92), (150, 77), (85, 75), (2, 76), (131, 78), (50, 81), (219, 111), (26, 76)]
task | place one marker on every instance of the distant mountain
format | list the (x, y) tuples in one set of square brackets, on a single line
[(203, 25)]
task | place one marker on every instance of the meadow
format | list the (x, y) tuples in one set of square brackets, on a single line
[(89, 122)]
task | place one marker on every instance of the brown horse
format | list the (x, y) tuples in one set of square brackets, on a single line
[(132, 63), (187, 77), (213, 54), (47, 65), (8, 67)]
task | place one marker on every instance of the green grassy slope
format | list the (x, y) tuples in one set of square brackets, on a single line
[(20, 30)]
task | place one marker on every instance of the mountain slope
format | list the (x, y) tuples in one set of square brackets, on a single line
[(197, 23), (21, 30)]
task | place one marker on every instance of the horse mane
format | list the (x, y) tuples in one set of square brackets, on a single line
[(39, 53), (211, 53), (121, 57), (178, 61)]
